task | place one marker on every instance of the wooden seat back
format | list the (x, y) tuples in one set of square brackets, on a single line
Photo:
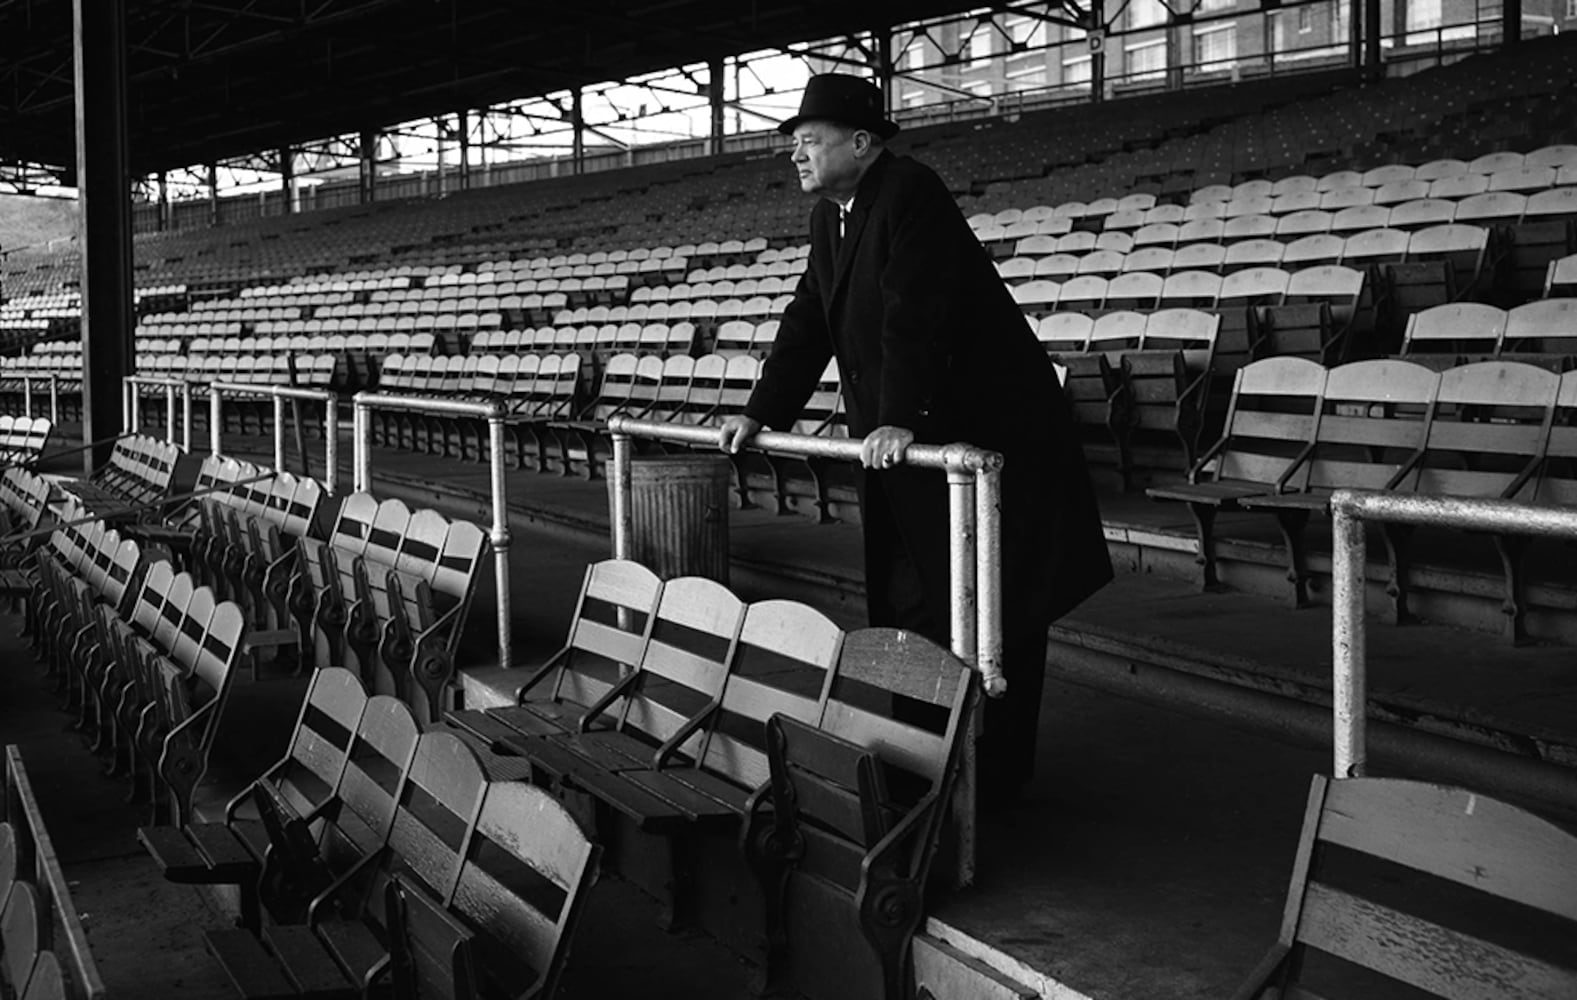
[(1272, 419), (522, 886), (1443, 890), (362, 808), (1488, 432), (1373, 423), (309, 773)]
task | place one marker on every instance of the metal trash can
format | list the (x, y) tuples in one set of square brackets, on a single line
[(679, 514)]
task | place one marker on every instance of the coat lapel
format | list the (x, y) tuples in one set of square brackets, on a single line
[(870, 184)]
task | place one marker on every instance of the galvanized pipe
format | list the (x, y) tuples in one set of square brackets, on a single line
[(54, 399), (1349, 510), (331, 444), (186, 417), (1349, 682), (924, 456), (619, 487), (169, 413), (279, 432), (361, 462), (963, 563), (988, 582), (215, 417), (27, 396), (500, 538)]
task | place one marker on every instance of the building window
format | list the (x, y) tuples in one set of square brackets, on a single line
[(1145, 13), (1210, 6), (915, 55), (1571, 10), (1305, 19), (1076, 70), (1216, 48), (1147, 60)]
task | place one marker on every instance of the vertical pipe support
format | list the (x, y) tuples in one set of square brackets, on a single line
[(361, 448), (963, 553), (215, 418), (500, 537), (279, 432), (186, 417), (27, 395), (988, 580), (169, 412), (619, 484), (54, 399), (331, 445), (1349, 682), (125, 405)]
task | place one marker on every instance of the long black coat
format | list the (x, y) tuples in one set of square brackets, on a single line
[(928, 338)]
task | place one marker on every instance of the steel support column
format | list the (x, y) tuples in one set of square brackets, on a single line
[(287, 179), (1373, 60), (716, 92), (368, 174), (577, 121), (1510, 22), (104, 228), (463, 126)]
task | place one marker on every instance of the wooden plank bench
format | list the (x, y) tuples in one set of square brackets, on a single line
[(62, 964), (1467, 884), (857, 801)]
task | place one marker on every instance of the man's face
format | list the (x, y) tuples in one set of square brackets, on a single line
[(826, 156)]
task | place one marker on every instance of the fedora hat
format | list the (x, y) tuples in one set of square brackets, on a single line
[(847, 100)]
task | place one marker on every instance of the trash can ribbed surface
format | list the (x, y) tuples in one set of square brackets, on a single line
[(679, 514)]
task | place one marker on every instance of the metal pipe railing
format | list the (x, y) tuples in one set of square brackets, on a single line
[(974, 489), (493, 413), (54, 395), (330, 400), (1349, 510), (131, 405)]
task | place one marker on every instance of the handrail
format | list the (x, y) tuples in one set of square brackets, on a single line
[(1349, 510), (499, 537), (974, 502), (131, 405), (280, 393)]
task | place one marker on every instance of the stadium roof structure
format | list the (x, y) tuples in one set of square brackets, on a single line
[(214, 79)]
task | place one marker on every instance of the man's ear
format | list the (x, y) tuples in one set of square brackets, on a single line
[(862, 143)]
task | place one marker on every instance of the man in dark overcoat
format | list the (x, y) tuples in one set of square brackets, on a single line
[(931, 348)]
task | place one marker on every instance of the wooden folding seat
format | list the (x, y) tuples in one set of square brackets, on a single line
[(1535, 241), (1487, 439), (1248, 227), (1380, 855), (1400, 191), (1446, 335), (656, 710), (1134, 290), (1057, 265), (1542, 332), (1560, 279), (1199, 289), (857, 804), (232, 851), (1198, 257), (607, 635), (1295, 201), (344, 948), (1085, 293), (1445, 263), (1374, 418), (1271, 422), (1304, 223)]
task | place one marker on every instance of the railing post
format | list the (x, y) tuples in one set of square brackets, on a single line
[(135, 424), (169, 412), (279, 431), (361, 459), (1349, 682), (963, 550), (54, 399), (500, 536), (126, 411), (186, 417), (988, 580), (215, 417), (331, 445), (27, 396), (619, 484)]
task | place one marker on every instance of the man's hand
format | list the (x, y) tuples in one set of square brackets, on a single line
[(736, 432), (884, 447)]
